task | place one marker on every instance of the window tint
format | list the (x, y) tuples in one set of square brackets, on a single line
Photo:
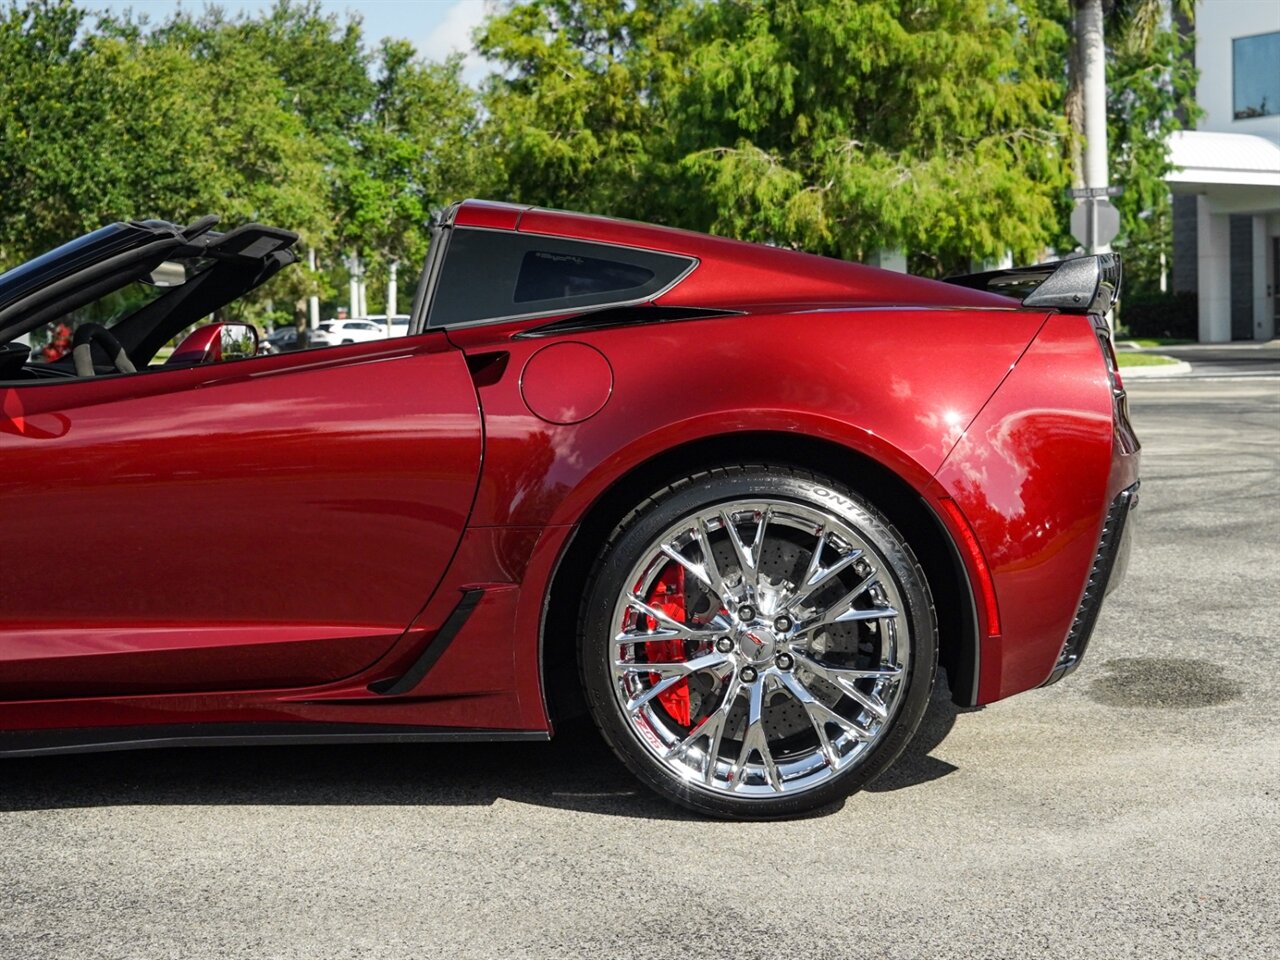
[(489, 275), (1256, 69), (550, 276)]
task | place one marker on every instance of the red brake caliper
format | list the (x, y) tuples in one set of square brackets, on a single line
[(668, 596)]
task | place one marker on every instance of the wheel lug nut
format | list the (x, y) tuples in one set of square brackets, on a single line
[(724, 644), (748, 675), (785, 662), (782, 624), (746, 612)]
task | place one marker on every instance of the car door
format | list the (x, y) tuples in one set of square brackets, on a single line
[(263, 523)]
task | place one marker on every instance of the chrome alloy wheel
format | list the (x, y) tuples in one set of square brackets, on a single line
[(761, 647)]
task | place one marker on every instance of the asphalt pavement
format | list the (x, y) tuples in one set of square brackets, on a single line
[(1131, 811)]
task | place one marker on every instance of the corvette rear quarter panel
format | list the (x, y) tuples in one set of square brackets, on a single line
[(1033, 475), (897, 385)]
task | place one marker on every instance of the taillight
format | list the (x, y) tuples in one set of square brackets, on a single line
[(1119, 399), (1113, 367)]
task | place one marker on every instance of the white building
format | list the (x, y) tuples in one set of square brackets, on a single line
[(1226, 202)]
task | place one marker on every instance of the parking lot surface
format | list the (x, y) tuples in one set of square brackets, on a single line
[(1131, 811)]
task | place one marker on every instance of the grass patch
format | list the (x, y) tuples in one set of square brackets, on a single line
[(1144, 360)]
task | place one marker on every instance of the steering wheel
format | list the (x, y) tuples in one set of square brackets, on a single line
[(86, 336)]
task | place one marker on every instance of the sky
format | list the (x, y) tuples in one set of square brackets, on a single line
[(436, 27)]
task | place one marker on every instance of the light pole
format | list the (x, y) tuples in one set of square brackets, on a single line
[(1095, 221), (392, 293), (353, 267), (1093, 69), (313, 301)]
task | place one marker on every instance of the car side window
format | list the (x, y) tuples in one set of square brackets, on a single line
[(492, 275)]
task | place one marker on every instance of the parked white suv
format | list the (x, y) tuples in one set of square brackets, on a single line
[(353, 331), (399, 323)]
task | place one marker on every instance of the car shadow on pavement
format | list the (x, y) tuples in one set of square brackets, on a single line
[(916, 765), (573, 771)]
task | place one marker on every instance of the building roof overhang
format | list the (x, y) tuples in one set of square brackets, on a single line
[(1205, 157), (1235, 172)]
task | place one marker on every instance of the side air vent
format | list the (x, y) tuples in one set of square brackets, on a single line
[(395, 686), (625, 316)]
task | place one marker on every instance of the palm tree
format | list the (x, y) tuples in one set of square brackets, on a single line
[(1131, 23)]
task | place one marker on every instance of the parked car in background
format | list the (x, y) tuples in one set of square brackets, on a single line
[(358, 330), (399, 323), (285, 339), (281, 339), (738, 502)]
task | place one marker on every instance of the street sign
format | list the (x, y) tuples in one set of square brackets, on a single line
[(1095, 222), (1084, 193)]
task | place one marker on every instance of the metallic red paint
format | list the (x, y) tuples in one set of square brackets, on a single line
[(566, 383), (493, 216), (1034, 475), (202, 345), (266, 522), (899, 386), (163, 519), (976, 562)]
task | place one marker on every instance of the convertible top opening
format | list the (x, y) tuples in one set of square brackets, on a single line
[(194, 270)]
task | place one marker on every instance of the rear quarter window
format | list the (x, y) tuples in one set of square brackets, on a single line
[(492, 275)]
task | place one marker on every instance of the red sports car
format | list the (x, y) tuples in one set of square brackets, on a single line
[(739, 502)]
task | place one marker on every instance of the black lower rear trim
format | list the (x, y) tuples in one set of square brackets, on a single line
[(1096, 587)]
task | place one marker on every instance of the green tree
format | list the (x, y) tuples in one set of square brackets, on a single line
[(1151, 82), (324, 72), (583, 113), (838, 126), (846, 126), (37, 99), (321, 73), (412, 153), (118, 123)]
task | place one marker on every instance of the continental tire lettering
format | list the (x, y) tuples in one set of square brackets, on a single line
[(825, 494)]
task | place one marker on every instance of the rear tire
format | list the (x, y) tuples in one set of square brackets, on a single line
[(757, 642)]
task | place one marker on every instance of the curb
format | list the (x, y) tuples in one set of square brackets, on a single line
[(1179, 369)]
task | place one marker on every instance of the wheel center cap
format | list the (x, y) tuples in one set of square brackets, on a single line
[(756, 643)]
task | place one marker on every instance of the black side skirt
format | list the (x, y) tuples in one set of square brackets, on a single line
[(101, 740)]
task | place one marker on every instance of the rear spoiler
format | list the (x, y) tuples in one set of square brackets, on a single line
[(1089, 284)]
